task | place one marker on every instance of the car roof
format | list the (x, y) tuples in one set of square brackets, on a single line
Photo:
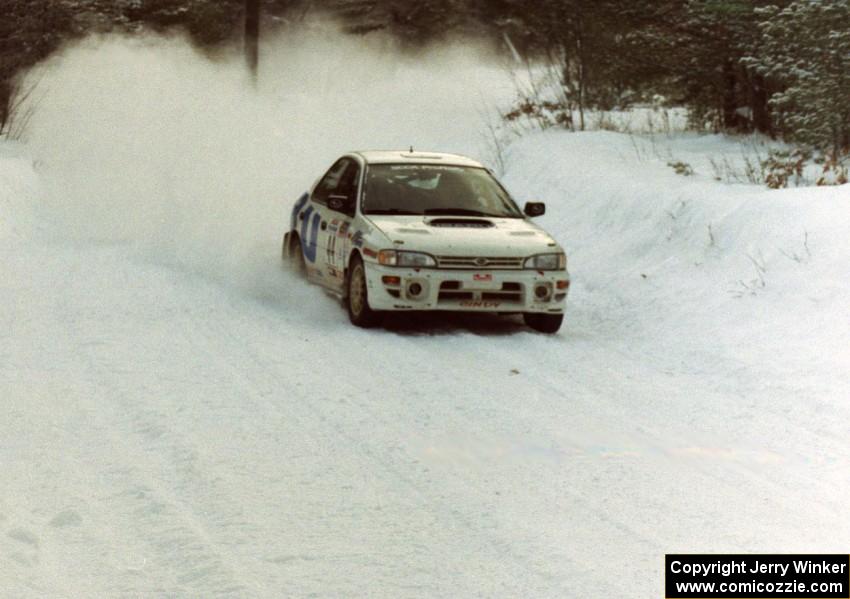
[(406, 156)]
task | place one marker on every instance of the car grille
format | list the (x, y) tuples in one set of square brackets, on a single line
[(479, 262)]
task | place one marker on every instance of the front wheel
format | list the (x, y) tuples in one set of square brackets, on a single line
[(359, 312), (545, 323)]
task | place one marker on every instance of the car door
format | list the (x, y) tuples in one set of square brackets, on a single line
[(321, 228), (311, 220), (335, 240)]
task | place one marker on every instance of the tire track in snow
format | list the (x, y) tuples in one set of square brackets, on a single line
[(399, 470), (140, 510)]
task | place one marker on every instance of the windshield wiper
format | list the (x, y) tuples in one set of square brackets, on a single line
[(456, 212)]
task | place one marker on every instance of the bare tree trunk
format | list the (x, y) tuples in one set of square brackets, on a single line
[(582, 73), (581, 99), (759, 105), (567, 95), (252, 37), (6, 99), (836, 141), (4, 114), (730, 104)]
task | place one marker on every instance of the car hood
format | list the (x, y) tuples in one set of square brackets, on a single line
[(465, 236)]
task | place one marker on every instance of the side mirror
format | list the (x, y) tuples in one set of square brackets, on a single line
[(339, 203), (533, 209)]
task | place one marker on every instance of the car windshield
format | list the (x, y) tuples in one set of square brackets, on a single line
[(425, 189)]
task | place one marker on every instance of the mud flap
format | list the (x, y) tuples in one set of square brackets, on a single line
[(284, 252)]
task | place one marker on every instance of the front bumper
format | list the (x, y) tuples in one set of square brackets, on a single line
[(466, 290)]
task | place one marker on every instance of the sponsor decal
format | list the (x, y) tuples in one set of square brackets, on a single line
[(343, 229), (479, 304), (482, 278), (425, 167), (357, 239)]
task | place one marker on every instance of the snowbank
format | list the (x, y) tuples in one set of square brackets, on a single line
[(726, 273), (20, 192)]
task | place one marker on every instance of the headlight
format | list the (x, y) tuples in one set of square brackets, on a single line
[(408, 259), (547, 262)]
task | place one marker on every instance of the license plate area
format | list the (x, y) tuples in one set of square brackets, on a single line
[(481, 282)]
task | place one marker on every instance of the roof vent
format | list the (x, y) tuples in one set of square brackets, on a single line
[(461, 223)]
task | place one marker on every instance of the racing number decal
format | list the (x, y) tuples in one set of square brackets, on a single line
[(337, 248), (331, 249)]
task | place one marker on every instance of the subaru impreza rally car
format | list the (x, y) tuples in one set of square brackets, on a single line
[(405, 231)]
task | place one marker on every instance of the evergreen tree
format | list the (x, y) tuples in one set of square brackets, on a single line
[(776, 66), (806, 47), (705, 42), (29, 31), (587, 41), (208, 22), (413, 23)]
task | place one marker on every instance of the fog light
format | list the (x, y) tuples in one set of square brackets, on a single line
[(391, 281), (414, 290), (542, 292), (563, 284)]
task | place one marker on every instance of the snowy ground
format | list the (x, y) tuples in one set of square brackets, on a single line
[(181, 427), (169, 433)]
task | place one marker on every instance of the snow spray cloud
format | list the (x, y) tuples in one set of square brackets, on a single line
[(144, 140)]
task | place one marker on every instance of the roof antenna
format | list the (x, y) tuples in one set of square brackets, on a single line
[(411, 149)]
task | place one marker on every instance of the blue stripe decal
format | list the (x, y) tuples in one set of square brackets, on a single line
[(309, 245), (305, 241), (293, 219)]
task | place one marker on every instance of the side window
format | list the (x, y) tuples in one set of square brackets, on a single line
[(348, 184), (331, 181)]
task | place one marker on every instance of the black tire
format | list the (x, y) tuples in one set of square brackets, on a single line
[(544, 323), (357, 297), (296, 257)]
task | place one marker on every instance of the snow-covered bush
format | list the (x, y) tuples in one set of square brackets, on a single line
[(544, 113), (834, 172), (782, 166), (681, 168)]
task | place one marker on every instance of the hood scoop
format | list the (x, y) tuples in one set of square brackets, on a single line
[(461, 223)]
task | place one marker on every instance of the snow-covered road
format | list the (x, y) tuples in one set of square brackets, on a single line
[(171, 432)]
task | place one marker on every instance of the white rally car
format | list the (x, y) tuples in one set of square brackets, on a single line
[(405, 231)]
